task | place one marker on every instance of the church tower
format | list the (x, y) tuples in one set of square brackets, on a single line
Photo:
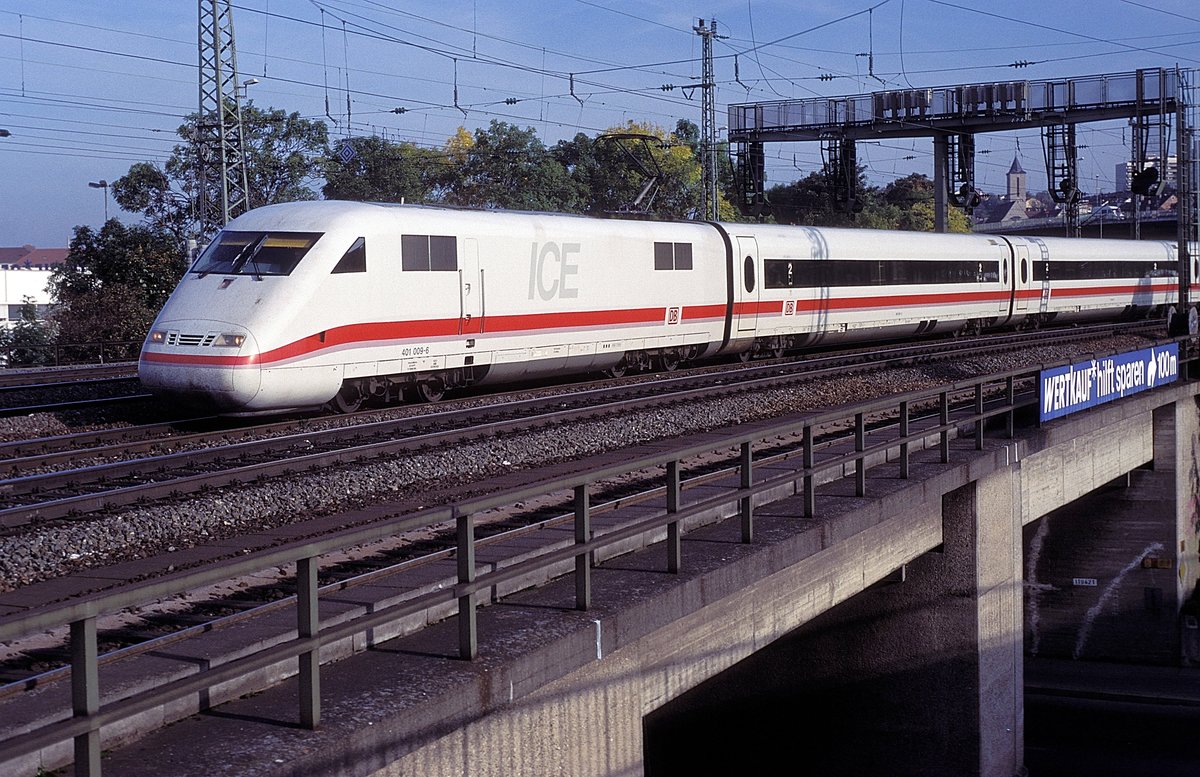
[(1016, 182)]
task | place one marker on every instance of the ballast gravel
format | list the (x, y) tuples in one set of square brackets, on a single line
[(144, 531)]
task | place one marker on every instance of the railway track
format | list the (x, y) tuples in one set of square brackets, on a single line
[(125, 473), (69, 389), (12, 380)]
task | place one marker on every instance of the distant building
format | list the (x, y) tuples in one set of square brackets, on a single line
[(1012, 206), (1016, 182), (25, 273)]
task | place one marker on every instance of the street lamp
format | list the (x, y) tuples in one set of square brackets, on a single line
[(245, 86), (102, 184)]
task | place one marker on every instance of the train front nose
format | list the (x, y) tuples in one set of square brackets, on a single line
[(202, 362)]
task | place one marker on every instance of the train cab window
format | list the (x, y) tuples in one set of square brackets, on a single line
[(355, 259), (748, 269), (429, 252), (254, 253), (672, 256)]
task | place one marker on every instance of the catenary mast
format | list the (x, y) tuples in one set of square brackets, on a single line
[(220, 150)]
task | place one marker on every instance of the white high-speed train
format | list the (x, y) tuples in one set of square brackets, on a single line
[(302, 304)]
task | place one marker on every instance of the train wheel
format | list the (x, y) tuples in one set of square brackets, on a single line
[(431, 390), (669, 361), (349, 399), (618, 370)]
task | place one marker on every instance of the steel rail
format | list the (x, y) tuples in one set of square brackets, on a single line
[(14, 380), (175, 473)]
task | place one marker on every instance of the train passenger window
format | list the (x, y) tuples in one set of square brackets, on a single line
[(664, 256), (672, 256), (429, 252), (683, 256), (1083, 270), (780, 273), (1024, 270), (255, 253), (443, 253), (355, 259), (749, 273)]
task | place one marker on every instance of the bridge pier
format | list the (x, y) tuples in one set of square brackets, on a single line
[(1110, 572), (916, 677)]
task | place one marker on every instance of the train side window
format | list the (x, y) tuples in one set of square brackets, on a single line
[(355, 259), (683, 256), (672, 256), (414, 252), (664, 256), (748, 269), (1024, 270), (429, 252), (443, 253)]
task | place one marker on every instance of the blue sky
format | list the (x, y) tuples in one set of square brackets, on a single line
[(87, 88)]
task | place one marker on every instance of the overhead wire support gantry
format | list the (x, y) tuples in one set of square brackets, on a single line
[(951, 116)]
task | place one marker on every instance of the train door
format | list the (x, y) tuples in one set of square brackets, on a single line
[(1040, 267), (748, 282), (470, 285), (1022, 272)]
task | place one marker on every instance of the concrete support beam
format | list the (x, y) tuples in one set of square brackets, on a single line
[(920, 674)]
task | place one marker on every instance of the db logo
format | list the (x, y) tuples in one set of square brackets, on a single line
[(673, 315), (789, 308)]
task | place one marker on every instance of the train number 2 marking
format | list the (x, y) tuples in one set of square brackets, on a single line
[(548, 281)]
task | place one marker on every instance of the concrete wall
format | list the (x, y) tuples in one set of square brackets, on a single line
[(1106, 575)]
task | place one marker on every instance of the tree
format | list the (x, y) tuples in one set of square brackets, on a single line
[(114, 282), (908, 190), (508, 167), (29, 341), (283, 152), (612, 170), (810, 201), (382, 171)]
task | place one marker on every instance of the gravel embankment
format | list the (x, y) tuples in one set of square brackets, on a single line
[(145, 531)]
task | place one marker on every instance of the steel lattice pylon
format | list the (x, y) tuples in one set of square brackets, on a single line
[(708, 121), (220, 150), (1187, 145)]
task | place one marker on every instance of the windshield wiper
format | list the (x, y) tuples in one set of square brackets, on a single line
[(251, 258)]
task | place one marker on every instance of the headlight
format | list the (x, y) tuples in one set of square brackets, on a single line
[(230, 341), (158, 338)]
